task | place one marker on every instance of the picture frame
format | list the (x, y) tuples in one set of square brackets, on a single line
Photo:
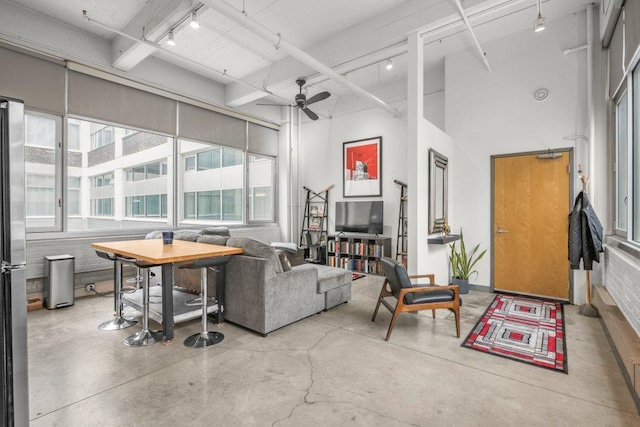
[(438, 191), (362, 168)]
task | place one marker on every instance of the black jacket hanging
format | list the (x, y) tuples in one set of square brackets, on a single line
[(585, 234)]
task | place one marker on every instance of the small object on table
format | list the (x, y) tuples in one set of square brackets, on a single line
[(167, 237)]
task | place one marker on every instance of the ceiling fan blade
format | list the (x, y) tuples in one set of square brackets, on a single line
[(277, 105), (318, 97), (310, 114)]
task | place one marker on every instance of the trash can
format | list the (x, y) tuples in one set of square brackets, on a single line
[(59, 280)]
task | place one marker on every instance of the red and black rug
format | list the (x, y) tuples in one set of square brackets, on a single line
[(525, 329)]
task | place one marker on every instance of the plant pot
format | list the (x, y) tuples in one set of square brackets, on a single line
[(463, 284)]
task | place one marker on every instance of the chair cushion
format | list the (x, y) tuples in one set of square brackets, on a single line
[(289, 247), (429, 297), (258, 249)]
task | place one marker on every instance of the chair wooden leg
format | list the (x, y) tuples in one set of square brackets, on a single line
[(456, 312), (391, 325), (375, 312), (396, 312), (433, 313)]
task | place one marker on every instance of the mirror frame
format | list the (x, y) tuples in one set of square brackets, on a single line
[(438, 161)]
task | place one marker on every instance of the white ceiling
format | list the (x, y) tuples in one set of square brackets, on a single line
[(349, 36)]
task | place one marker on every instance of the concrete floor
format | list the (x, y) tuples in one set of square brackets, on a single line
[(333, 368)]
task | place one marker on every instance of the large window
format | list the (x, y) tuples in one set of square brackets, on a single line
[(622, 159), (261, 188), (211, 182), (42, 154), (104, 135), (149, 206), (125, 177)]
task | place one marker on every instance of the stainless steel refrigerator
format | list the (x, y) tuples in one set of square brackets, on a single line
[(13, 277)]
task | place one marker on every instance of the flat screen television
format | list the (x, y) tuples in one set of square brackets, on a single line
[(359, 217)]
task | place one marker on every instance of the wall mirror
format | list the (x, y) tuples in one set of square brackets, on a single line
[(438, 190)]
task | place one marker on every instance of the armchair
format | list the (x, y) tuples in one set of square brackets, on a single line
[(412, 298)]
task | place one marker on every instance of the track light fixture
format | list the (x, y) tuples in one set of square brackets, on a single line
[(194, 20), (539, 23), (171, 41), (389, 64)]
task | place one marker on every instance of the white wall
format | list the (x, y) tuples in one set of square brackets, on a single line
[(321, 159), (495, 113), (321, 166)]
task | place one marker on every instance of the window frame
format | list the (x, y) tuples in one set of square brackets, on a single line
[(59, 170), (624, 95), (274, 180), (175, 212)]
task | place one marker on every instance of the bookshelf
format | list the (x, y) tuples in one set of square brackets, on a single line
[(358, 253), (314, 225)]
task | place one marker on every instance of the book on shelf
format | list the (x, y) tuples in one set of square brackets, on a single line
[(314, 223), (316, 210)]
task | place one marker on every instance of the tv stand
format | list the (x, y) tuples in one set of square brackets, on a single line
[(359, 253)]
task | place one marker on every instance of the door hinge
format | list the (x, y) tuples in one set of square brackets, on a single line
[(59, 203)]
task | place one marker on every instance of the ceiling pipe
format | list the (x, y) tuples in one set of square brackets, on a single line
[(280, 43), (590, 102), (482, 53), (575, 49)]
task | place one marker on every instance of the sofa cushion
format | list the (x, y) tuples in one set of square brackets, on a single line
[(188, 235), (284, 261), (256, 248), (216, 231), (332, 277), (157, 234), (213, 239)]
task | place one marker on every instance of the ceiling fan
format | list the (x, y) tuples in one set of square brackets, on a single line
[(302, 102)]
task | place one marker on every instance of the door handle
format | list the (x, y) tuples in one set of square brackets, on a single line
[(500, 230)]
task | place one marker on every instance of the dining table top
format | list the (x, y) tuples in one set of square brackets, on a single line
[(156, 252)]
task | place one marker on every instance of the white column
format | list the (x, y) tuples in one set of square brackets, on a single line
[(415, 106)]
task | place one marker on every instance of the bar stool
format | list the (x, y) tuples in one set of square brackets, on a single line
[(204, 338), (145, 336), (119, 321)]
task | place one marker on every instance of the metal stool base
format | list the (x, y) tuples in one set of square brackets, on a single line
[(199, 340), (143, 338), (117, 324)]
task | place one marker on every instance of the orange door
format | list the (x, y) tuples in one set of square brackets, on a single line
[(530, 225)]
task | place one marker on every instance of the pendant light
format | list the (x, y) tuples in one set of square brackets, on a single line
[(539, 23)]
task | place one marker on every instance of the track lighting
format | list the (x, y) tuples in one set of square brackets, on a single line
[(539, 23), (170, 40), (194, 20), (389, 64)]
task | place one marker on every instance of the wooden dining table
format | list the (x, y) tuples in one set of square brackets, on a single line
[(154, 251)]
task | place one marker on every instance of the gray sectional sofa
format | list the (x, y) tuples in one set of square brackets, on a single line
[(264, 292)]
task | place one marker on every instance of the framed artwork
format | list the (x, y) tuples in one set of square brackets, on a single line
[(362, 168)]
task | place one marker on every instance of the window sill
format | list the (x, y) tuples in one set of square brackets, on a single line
[(628, 247)]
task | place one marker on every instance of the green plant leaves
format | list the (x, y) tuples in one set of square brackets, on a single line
[(462, 263)]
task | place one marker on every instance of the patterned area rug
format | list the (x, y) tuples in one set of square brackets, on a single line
[(356, 276), (525, 329)]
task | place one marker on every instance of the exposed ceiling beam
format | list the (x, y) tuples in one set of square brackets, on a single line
[(482, 53), (155, 18), (280, 43)]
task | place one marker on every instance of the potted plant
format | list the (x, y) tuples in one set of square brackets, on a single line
[(462, 263)]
